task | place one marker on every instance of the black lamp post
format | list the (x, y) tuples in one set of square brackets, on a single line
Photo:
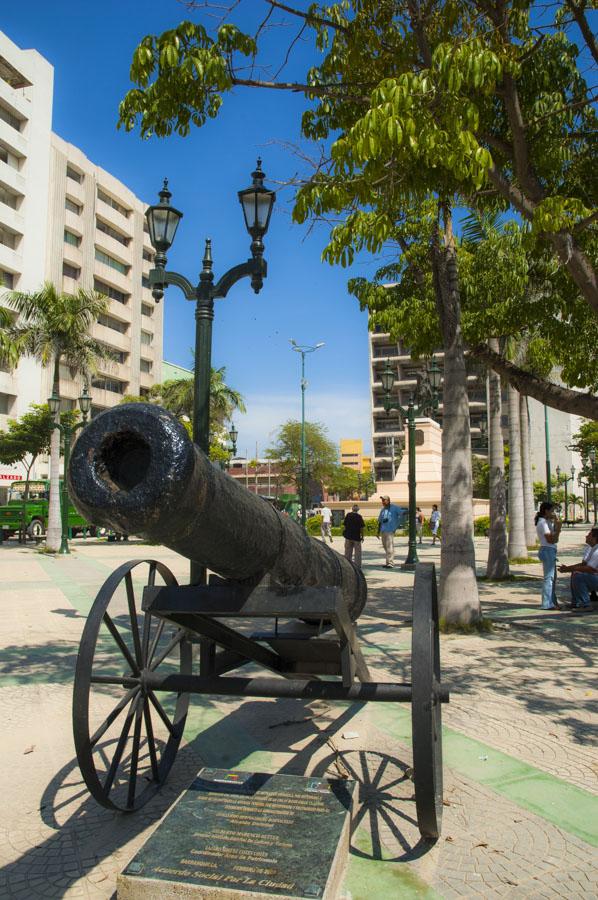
[(592, 455), (66, 431), (303, 350), (232, 447), (564, 479), (426, 394), (163, 219)]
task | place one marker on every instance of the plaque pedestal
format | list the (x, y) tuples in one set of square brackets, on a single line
[(236, 834)]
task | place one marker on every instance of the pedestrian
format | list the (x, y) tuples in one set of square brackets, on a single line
[(419, 524), (548, 529), (388, 522), (435, 523), (584, 575), (353, 528), (326, 526)]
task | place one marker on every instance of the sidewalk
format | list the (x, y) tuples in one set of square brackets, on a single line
[(520, 814)]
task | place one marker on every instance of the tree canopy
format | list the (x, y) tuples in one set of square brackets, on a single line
[(28, 437), (484, 105), (321, 453)]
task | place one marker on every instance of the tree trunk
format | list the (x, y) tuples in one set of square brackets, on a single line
[(498, 557), (459, 601), (517, 542), (526, 468), (54, 531)]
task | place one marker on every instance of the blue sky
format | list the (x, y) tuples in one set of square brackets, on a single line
[(90, 45)]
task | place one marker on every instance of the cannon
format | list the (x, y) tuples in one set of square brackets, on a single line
[(135, 470)]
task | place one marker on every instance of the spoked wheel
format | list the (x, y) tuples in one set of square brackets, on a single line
[(126, 738), (425, 704)]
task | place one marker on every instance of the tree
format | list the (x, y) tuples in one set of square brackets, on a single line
[(498, 557), (526, 472), (517, 541), (428, 106), (321, 454), (343, 481), (29, 437), (54, 328), (177, 396)]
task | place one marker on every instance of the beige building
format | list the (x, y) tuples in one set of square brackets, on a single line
[(64, 219)]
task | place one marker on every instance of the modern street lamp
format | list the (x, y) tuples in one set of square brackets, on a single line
[(303, 350), (426, 395), (163, 220), (66, 430)]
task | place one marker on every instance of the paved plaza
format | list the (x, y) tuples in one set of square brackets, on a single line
[(521, 767)]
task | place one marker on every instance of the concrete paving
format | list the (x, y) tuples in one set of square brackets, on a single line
[(521, 766)]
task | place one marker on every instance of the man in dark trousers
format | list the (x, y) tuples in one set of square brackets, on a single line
[(353, 535)]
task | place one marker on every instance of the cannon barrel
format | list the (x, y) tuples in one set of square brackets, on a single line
[(134, 469)]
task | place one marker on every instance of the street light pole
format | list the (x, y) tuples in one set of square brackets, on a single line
[(66, 430), (163, 220), (547, 444), (427, 396), (303, 350), (592, 455)]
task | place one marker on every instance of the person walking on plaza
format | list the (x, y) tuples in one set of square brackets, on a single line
[(388, 522), (353, 535), (584, 575), (326, 526), (419, 524), (548, 529), (435, 523)]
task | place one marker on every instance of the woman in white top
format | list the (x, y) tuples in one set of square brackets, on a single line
[(548, 529)]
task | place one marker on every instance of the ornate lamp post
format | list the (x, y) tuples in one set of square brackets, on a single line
[(565, 481), (163, 220), (66, 431), (592, 455), (426, 395), (303, 350)]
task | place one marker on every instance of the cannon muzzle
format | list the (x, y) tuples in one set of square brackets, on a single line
[(135, 470)]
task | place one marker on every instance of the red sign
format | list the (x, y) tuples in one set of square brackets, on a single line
[(10, 477)]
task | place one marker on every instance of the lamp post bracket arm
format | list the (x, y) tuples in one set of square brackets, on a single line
[(160, 277), (243, 270)]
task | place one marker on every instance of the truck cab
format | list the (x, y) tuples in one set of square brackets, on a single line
[(32, 514)]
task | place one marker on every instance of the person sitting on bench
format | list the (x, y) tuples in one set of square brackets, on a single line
[(584, 575)]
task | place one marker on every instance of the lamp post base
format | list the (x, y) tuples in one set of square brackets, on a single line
[(408, 566)]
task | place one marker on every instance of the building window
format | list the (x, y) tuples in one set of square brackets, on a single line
[(9, 238), (7, 279), (9, 158), (109, 384), (105, 198), (115, 324), (112, 262), (7, 116), (147, 310), (71, 238), (72, 206), (145, 282), (118, 356), (148, 255), (144, 392), (113, 233), (145, 366), (147, 338), (74, 175), (7, 197), (70, 271), (6, 403), (102, 288)]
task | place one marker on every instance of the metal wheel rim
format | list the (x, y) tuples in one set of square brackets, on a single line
[(426, 708), (82, 689)]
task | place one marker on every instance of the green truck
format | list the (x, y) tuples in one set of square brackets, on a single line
[(32, 514)]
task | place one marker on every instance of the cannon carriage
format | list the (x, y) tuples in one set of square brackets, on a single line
[(277, 599)]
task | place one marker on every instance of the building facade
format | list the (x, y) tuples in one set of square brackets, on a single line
[(65, 220), (352, 455)]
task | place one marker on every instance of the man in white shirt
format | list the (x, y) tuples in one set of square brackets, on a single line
[(584, 575), (326, 527)]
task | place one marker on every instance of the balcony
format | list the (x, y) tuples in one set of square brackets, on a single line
[(15, 100), (112, 338), (112, 276), (146, 379), (113, 247), (10, 259), (75, 190), (72, 255), (13, 220), (13, 179), (115, 218), (73, 222), (13, 139)]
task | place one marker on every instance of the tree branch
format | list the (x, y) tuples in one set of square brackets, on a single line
[(307, 17), (578, 12), (553, 395)]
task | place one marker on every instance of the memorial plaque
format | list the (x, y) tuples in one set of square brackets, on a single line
[(250, 834)]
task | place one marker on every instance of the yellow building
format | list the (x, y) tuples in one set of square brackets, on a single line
[(352, 455)]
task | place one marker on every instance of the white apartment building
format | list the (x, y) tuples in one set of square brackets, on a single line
[(65, 220)]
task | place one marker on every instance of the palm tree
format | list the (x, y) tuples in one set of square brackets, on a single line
[(177, 397), (517, 541), (54, 328), (526, 467)]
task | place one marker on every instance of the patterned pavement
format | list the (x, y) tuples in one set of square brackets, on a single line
[(520, 755)]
